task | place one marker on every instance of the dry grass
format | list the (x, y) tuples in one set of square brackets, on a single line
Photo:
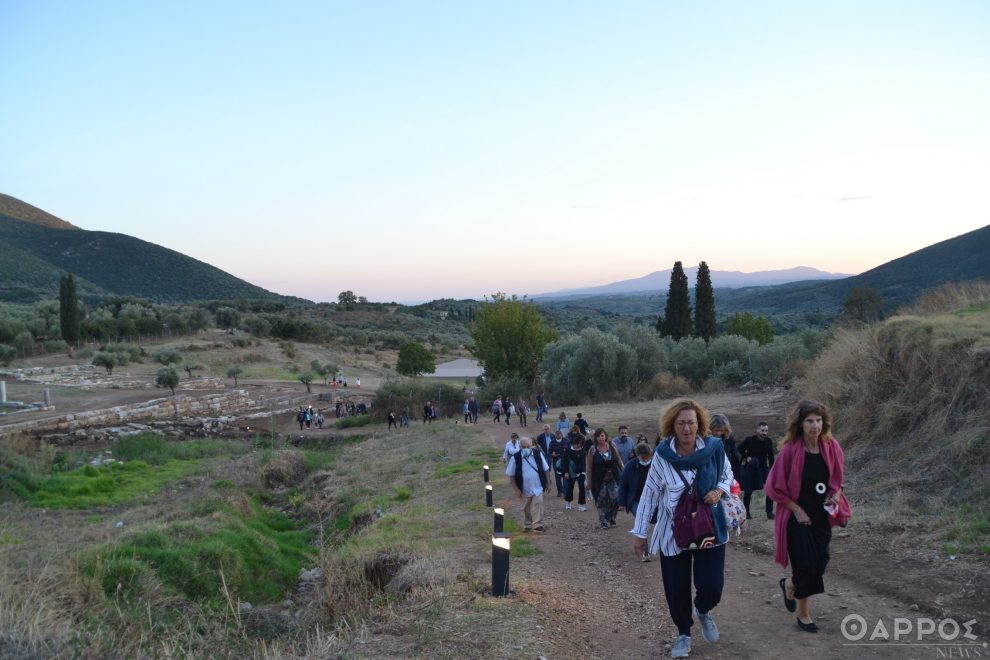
[(285, 468), (910, 400), (32, 621), (950, 297), (665, 385)]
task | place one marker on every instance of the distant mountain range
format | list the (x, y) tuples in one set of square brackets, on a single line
[(659, 281), (36, 248), (815, 302)]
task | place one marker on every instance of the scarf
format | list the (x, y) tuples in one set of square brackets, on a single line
[(708, 461), (784, 483)]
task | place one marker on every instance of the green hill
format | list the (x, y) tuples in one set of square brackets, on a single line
[(35, 251)]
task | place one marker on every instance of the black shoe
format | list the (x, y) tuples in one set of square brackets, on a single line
[(770, 516), (807, 627), (789, 603), (748, 517)]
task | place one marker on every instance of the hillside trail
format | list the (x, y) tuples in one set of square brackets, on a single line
[(593, 598)]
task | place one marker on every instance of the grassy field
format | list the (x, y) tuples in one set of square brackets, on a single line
[(394, 521)]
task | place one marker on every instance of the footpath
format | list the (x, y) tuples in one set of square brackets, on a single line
[(592, 598)]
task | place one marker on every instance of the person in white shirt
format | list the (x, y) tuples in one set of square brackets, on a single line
[(511, 447), (529, 475), (687, 454)]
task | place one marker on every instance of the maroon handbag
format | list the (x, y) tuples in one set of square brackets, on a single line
[(693, 525)]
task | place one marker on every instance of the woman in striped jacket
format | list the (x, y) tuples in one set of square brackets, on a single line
[(687, 454)]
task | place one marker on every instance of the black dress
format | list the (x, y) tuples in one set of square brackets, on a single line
[(807, 545)]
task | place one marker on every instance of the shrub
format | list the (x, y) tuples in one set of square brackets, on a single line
[(106, 360), (55, 346), (285, 468), (689, 358), (396, 393), (350, 422), (168, 356), (665, 385)]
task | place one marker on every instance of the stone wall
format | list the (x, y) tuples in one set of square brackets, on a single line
[(171, 408)]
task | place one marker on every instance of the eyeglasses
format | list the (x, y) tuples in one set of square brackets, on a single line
[(687, 423)]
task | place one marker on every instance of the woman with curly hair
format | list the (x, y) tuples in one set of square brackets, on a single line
[(605, 469), (687, 455), (806, 484)]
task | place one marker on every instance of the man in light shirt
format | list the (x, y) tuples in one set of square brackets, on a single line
[(529, 474)]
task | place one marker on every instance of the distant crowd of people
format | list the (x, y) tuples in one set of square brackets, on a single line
[(308, 418)]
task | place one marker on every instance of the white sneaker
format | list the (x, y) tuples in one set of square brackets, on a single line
[(708, 628), (582, 507), (682, 647), (567, 505)]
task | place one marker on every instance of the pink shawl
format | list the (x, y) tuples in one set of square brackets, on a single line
[(784, 483)]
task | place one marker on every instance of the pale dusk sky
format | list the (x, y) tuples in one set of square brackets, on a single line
[(416, 150)]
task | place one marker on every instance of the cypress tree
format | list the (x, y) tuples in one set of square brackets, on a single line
[(68, 308), (704, 304), (676, 320)]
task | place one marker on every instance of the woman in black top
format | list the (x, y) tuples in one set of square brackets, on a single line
[(756, 454), (605, 469), (807, 483), (572, 464)]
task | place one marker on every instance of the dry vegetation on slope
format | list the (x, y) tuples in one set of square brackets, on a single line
[(910, 397)]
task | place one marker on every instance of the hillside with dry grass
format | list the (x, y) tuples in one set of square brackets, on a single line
[(911, 398), (15, 208)]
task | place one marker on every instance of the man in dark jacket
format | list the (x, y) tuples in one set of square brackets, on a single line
[(756, 453), (544, 439)]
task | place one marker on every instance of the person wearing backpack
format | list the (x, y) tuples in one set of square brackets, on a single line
[(529, 474), (688, 477)]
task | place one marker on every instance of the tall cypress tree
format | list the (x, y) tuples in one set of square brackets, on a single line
[(68, 309), (704, 304), (676, 319)]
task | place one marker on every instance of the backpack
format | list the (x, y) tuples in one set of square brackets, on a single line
[(693, 525)]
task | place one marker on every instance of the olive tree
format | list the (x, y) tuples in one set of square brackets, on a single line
[(167, 376), (234, 372)]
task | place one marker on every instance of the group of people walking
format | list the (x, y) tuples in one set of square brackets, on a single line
[(505, 407), (682, 485)]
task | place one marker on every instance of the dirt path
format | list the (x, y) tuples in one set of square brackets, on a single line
[(594, 599)]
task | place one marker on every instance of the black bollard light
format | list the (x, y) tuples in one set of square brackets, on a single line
[(488, 495), (500, 564), (499, 520), (486, 474)]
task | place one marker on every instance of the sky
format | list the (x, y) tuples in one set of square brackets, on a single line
[(417, 150)]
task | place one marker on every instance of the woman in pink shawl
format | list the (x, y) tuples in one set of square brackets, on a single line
[(806, 483)]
